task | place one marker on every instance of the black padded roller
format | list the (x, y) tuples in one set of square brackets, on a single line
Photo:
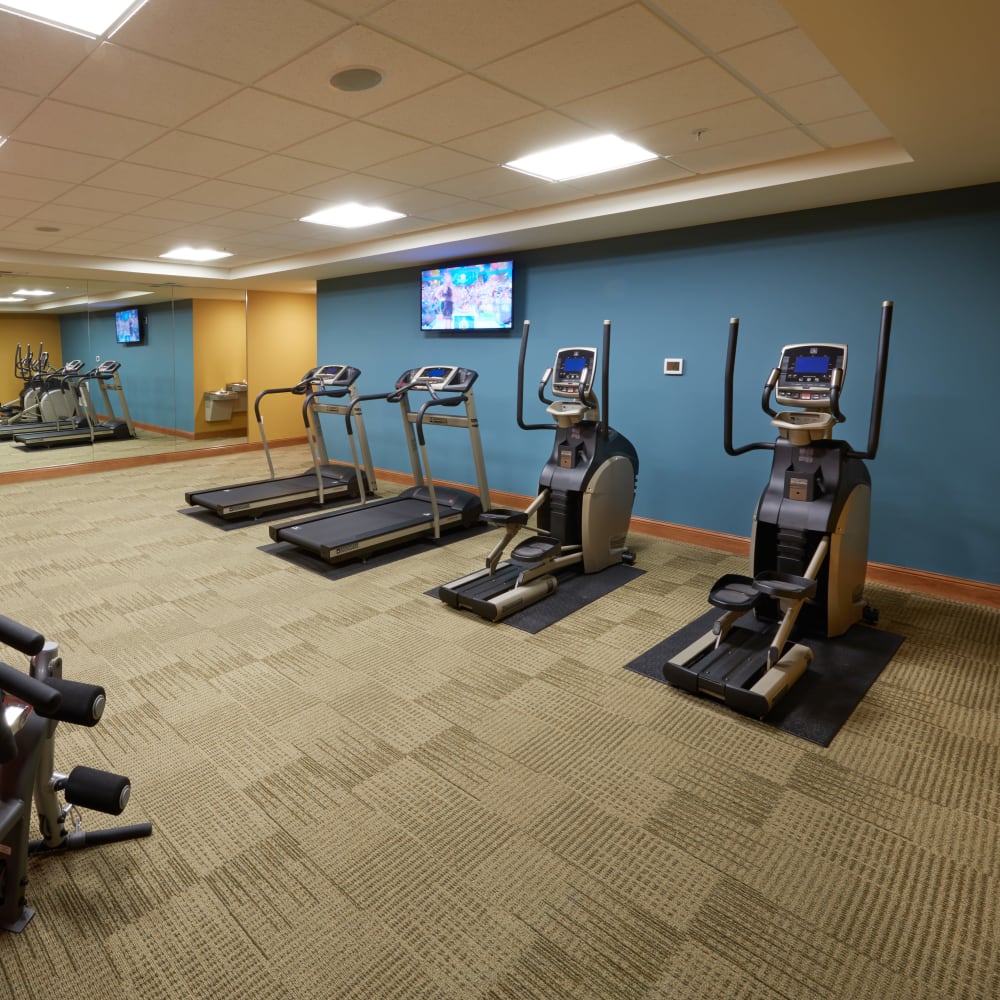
[(82, 704), (23, 639), (99, 790), (41, 696)]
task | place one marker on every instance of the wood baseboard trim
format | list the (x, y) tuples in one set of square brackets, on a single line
[(936, 584)]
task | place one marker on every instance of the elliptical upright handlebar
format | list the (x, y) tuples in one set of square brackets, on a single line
[(605, 382), (878, 392)]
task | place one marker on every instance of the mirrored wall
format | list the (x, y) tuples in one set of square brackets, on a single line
[(116, 369)]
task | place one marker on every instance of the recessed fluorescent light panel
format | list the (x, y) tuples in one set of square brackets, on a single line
[(90, 17), (582, 159), (352, 216), (33, 292), (195, 254)]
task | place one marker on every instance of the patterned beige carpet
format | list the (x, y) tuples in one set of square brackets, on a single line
[(357, 792)]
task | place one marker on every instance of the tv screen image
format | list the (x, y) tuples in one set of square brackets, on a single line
[(127, 327), (467, 297)]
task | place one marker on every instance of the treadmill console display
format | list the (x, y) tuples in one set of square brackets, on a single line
[(806, 373), (435, 378), (334, 375), (574, 371)]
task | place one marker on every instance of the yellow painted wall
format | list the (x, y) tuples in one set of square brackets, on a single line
[(17, 328), (281, 348), (219, 357)]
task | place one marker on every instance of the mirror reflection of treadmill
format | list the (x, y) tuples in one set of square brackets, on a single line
[(423, 511), (93, 428)]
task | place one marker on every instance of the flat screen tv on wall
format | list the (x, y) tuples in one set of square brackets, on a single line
[(129, 326), (462, 297)]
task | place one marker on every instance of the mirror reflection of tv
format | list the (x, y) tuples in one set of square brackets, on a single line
[(128, 326), (460, 297)]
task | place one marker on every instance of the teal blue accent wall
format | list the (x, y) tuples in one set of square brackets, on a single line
[(817, 275), (157, 375)]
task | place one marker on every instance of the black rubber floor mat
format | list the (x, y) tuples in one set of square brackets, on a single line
[(842, 671)]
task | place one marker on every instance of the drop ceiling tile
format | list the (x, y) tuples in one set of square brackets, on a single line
[(27, 240), (350, 8), (353, 187), (354, 146), (723, 24), (14, 108), (406, 70), (457, 107), (427, 166), (139, 179), (695, 87), (178, 211), (485, 184), (290, 206), (41, 161), (442, 27), (118, 81), (626, 45), (37, 189), (42, 228), (711, 128), (225, 194), (538, 197), (779, 62), (281, 173), (850, 130), (117, 237), (245, 222), (238, 39), (34, 57), (264, 121), (85, 131), (461, 211), (85, 245), (194, 154), (819, 101), (747, 152), (419, 201), (511, 140), (205, 234), (16, 208), (641, 175), (70, 215), (102, 199), (144, 224)]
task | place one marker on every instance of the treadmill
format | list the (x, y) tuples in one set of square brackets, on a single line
[(93, 428), (423, 511), (327, 389)]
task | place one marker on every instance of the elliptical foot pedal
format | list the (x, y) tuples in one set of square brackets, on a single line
[(779, 585), (733, 592), (535, 550)]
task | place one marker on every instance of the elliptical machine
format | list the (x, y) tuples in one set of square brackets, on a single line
[(585, 494), (809, 547), (33, 704)]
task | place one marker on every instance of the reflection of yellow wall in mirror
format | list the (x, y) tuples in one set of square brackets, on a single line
[(26, 330), (220, 357), (281, 348)]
